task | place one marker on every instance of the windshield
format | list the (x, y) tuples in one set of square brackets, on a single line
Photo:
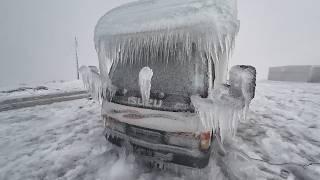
[(172, 84)]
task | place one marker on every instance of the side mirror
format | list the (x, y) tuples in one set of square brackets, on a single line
[(242, 81), (99, 87), (94, 69)]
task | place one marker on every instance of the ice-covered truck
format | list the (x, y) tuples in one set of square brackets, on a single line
[(163, 78)]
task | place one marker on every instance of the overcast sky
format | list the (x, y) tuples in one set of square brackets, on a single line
[(37, 36)]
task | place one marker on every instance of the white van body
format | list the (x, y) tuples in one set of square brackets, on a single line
[(162, 81)]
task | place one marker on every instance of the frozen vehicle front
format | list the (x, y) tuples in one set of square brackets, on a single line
[(165, 127), (163, 68)]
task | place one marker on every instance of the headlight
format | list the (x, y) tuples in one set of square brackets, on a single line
[(187, 140), (205, 141)]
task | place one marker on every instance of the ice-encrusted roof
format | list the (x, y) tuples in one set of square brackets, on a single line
[(154, 15), (168, 30)]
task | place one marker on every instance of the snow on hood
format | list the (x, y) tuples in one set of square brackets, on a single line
[(163, 30)]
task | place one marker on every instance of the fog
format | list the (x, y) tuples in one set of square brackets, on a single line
[(37, 36)]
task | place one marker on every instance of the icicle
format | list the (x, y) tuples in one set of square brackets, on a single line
[(242, 81), (98, 87), (176, 44), (221, 114), (145, 77), (227, 105)]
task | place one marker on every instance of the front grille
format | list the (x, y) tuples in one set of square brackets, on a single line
[(153, 136), (148, 135)]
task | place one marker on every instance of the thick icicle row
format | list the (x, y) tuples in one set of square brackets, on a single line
[(98, 87), (143, 48)]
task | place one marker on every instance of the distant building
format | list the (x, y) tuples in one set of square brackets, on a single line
[(295, 73)]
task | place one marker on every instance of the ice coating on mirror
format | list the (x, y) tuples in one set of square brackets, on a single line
[(98, 87), (145, 76), (242, 84)]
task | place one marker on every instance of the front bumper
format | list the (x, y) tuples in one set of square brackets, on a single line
[(163, 153)]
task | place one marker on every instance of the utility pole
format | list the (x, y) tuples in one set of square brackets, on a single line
[(77, 59)]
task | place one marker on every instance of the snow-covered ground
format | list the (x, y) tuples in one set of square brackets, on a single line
[(65, 140), (284, 126), (30, 89)]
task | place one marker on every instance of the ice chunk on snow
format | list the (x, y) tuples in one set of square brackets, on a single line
[(98, 86), (145, 77)]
